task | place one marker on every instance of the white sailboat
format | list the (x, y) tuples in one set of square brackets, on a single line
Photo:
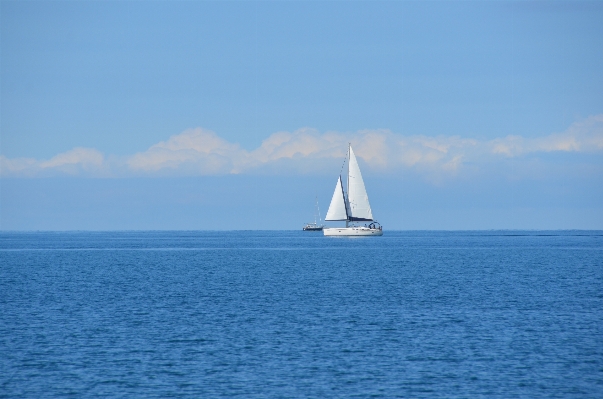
[(353, 206), (315, 226)]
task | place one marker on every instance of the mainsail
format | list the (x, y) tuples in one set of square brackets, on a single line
[(357, 196), (354, 207)]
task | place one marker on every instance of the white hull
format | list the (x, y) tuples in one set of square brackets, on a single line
[(352, 231)]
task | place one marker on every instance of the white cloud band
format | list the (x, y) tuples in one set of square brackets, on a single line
[(202, 152)]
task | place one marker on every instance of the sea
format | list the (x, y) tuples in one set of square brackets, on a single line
[(293, 314)]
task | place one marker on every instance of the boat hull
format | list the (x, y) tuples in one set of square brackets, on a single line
[(352, 232)]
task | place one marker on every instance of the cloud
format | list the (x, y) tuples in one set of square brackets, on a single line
[(583, 136), (202, 152), (76, 161), (197, 151)]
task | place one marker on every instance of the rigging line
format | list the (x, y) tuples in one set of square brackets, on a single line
[(344, 159)]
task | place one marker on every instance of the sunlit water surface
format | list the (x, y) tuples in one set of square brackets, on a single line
[(294, 314)]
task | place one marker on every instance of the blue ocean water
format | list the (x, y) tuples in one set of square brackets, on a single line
[(295, 314)]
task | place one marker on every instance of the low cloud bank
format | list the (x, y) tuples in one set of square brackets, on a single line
[(202, 152), (73, 162)]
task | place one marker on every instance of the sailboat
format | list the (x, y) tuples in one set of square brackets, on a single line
[(315, 226), (352, 206)]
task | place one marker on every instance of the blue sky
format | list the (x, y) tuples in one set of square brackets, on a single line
[(181, 115)]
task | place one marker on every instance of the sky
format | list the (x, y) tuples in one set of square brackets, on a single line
[(236, 115)]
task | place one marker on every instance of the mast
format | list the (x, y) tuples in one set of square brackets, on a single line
[(318, 210), (347, 189)]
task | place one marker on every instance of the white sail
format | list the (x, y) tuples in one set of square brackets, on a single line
[(337, 209), (360, 209)]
